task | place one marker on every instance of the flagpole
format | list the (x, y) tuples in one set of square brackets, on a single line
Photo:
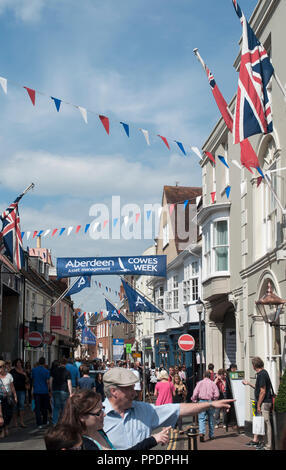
[(60, 297), (197, 54)]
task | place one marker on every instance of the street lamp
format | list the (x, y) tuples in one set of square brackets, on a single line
[(270, 306), (200, 309)]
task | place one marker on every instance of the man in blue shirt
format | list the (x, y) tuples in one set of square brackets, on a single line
[(127, 422), (40, 378), (74, 372)]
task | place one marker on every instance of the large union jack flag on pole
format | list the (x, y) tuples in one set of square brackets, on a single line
[(253, 113), (10, 235)]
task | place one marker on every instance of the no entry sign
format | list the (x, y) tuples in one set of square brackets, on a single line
[(34, 338), (186, 342)]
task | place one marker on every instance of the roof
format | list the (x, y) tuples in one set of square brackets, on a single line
[(175, 194)]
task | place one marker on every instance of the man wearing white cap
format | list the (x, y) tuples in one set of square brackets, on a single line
[(128, 422)]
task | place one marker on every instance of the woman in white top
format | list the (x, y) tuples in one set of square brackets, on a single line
[(7, 393)]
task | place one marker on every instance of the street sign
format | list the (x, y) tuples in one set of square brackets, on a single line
[(186, 342), (34, 338)]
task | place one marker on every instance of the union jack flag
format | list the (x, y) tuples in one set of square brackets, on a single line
[(253, 113), (10, 236)]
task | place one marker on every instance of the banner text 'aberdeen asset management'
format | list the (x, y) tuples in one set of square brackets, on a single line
[(140, 265)]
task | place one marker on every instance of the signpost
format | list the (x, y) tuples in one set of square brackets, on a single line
[(34, 338), (186, 342)]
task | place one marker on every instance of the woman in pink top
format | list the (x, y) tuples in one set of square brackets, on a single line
[(164, 390)]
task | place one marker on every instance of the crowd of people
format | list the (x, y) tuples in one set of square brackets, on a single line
[(79, 401)]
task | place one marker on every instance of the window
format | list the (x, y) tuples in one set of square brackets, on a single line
[(216, 248), (191, 283), (221, 245), (175, 293), (159, 297)]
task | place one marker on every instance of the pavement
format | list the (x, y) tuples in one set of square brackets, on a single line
[(32, 438)]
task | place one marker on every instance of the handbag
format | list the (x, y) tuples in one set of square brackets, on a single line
[(258, 425)]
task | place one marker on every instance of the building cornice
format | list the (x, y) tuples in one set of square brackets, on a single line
[(261, 263)]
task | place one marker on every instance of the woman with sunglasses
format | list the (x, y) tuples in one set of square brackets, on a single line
[(84, 409)]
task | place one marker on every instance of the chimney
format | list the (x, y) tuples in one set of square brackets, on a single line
[(39, 242)]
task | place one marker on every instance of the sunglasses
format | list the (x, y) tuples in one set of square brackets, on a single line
[(96, 414)]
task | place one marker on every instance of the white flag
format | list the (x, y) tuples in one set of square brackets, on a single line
[(83, 112), (95, 226), (28, 235), (46, 232), (69, 230), (126, 218), (197, 152), (3, 83), (146, 135)]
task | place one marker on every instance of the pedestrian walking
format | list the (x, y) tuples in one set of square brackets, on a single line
[(41, 390), (206, 391), (74, 372), (220, 382), (164, 389), (84, 410), (210, 369), (61, 386), (20, 381), (28, 370), (153, 379), (86, 382), (8, 399), (123, 415), (179, 397), (263, 394)]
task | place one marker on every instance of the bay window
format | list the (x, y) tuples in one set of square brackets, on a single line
[(216, 248)]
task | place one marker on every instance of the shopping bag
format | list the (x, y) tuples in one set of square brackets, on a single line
[(258, 425)]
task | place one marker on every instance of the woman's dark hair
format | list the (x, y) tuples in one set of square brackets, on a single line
[(78, 405), (62, 436), (14, 363)]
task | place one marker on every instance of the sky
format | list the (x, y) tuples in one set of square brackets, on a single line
[(131, 61)]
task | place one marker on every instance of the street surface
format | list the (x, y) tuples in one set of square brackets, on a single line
[(32, 438)]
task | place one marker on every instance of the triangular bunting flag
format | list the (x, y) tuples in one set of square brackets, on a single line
[(137, 217), (69, 230), (57, 103), (35, 233), (78, 228), (260, 171), (54, 231), (227, 191), (146, 135), (28, 235), (210, 156), (213, 196), (47, 232), (126, 128), (197, 152), (126, 218), (258, 181), (185, 204), (165, 141), (104, 223), (105, 122), (32, 94), (115, 222), (83, 112), (148, 213), (62, 231), (180, 145), (40, 233), (222, 159), (22, 235), (3, 83), (86, 228)]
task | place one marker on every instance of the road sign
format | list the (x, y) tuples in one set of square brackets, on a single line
[(34, 338), (186, 342)]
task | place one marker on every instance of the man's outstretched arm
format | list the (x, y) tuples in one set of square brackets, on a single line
[(191, 409)]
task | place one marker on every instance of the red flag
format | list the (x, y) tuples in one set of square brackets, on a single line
[(78, 229), (258, 181), (213, 196), (165, 141), (248, 156), (54, 231), (105, 122), (211, 157), (171, 208), (32, 94), (35, 233)]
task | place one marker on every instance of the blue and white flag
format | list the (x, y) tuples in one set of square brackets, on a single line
[(80, 322), (81, 283), (137, 302), (114, 314), (87, 336)]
